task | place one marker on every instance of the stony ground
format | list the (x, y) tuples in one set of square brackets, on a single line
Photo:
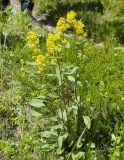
[(15, 4), (47, 24)]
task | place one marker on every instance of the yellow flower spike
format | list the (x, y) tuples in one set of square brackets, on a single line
[(58, 36), (51, 48), (51, 42), (62, 25), (79, 27), (71, 17), (40, 62), (51, 37), (31, 36), (40, 59), (33, 42)]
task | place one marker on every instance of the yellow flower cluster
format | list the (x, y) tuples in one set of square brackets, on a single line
[(62, 25), (79, 27), (51, 42), (70, 22), (55, 41), (71, 17), (40, 62), (33, 42)]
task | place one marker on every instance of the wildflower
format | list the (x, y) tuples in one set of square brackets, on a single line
[(50, 37), (51, 47), (51, 42), (31, 36), (58, 36), (40, 62), (62, 25), (71, 17), (39, 59), (79, 26), (33, 42)]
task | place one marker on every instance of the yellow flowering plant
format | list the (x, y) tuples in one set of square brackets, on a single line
[(33, 42), (70, 22), (71, 18), (40, 62), (62, 25), (56, 42)]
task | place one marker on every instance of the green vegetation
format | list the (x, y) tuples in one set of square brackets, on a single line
[(61, 93)]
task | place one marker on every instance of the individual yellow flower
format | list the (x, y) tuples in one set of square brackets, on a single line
[(71, 17), (79, 26), (62, 25)]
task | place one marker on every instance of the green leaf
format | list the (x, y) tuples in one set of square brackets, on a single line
[(67, 45), (70, 78), (78, 155), (79, 144), (59, 126), (49, 134), (36, 114), (60, 113), (74, 70), (65, 116), (59, 151), (119, 48), (48, 147), (41, 97), (37, 103), (87, 121), (52, 95), (61, 139)]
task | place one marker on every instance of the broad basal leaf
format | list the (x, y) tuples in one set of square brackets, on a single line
[(37, 103)]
